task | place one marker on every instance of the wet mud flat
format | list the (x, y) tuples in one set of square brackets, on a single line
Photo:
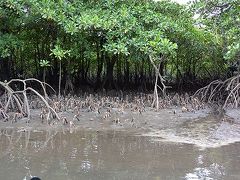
[(207, 132), (115, 143), (127, 120), (202, 128)]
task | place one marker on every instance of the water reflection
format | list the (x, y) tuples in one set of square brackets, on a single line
[(109, 155), (214, 171)]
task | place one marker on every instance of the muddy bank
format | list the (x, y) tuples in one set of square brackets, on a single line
[(234, 114), (210, 131), (100, 111), (124, 120), (202, 128)]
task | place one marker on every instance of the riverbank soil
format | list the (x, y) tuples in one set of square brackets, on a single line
[(203, 126)]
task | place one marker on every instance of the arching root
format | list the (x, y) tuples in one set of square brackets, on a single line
[(223, 92), (18, 100)]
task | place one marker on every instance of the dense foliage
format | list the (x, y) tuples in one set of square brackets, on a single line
[(222, 18), (108, 43)]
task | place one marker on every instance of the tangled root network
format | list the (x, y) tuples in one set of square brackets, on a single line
[(222, 92)]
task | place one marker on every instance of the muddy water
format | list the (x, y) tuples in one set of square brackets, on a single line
[(109, 155)]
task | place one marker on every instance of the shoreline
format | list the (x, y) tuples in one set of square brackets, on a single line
[(181, 121)]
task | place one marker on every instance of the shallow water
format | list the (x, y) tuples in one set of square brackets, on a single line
[(111, 155)]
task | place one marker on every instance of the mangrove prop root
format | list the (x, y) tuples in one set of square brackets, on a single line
[(226, 92), (21, 99), (155, 102)]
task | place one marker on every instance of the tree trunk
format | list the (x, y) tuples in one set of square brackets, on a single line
[(126, 72), (100, 58), (156, 86), (109, 82), (60, 79), (5, 71)]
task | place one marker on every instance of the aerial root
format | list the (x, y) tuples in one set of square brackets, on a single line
[(223, 92), (155, 102), (18, 100)]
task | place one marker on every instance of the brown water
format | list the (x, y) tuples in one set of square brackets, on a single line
[(110, 155)]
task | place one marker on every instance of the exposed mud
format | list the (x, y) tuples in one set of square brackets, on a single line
[(126, 120), (206, 132), (125, 145), (201, 128), (234, 114)]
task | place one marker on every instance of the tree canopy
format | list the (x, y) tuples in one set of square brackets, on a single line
[(108, 43)]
